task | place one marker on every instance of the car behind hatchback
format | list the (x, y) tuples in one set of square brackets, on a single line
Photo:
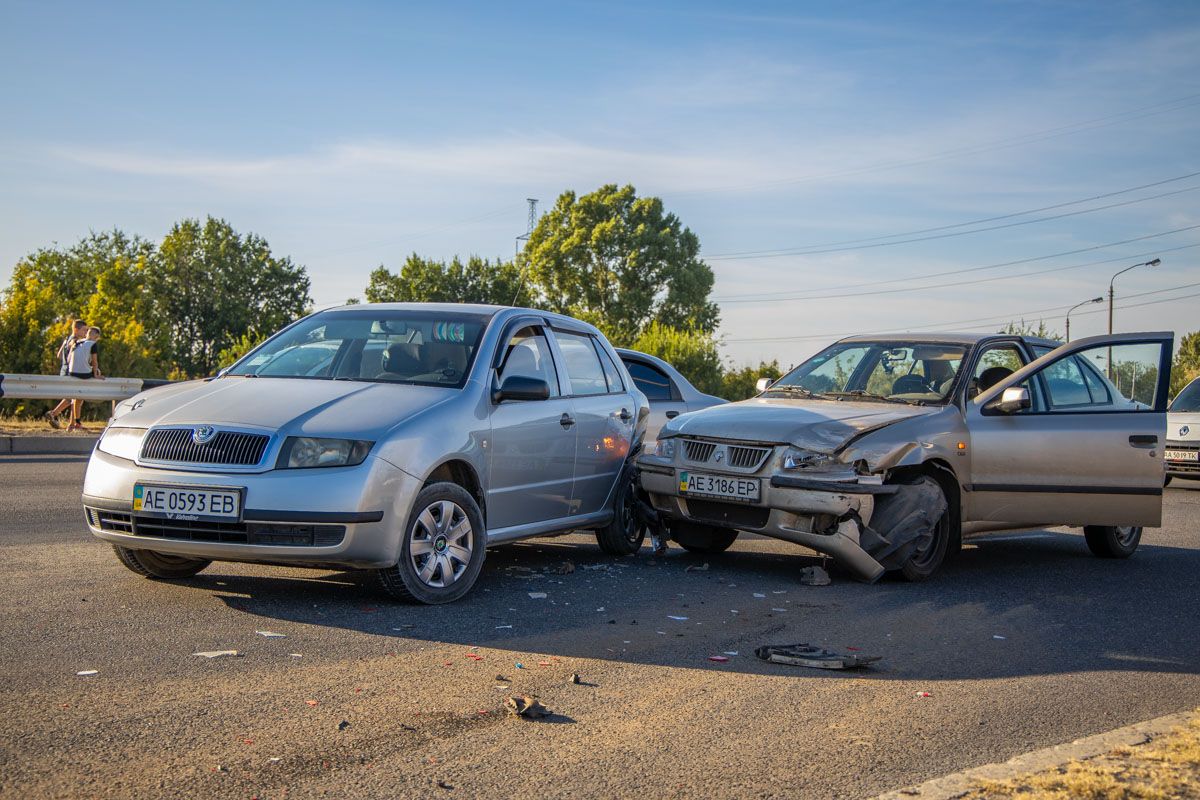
[(1183, 434), (402, 438)]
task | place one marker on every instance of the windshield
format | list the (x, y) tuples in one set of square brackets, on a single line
[(1188, 399), (364, 345), (899, 371)]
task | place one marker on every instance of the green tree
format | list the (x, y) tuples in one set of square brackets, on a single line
[(693, 353), (620, 262), (1187, 362), (1024, 328), (738, 384), (424, 280), (211, 286)]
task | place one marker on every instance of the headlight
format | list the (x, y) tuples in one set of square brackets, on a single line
[(122, 442), (801, 459), (664, 448), (300, 452)]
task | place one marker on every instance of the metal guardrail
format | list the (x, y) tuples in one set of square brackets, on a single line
[(57, 387)]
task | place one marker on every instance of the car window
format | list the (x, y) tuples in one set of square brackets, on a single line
[(913, 372), (581, 363), (528, 354), (1104, 378), (1065, 384), (653, 382), (611, 373), (994, 365)]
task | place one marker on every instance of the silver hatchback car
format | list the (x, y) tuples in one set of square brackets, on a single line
[(403, 438), (884, 452)]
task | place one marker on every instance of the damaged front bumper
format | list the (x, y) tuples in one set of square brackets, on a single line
[(824, 515)]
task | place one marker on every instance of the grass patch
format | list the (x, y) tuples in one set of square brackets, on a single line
[(36, 426), (1164, 769)]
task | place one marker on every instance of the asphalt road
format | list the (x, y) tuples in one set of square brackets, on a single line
[(1088, 645)]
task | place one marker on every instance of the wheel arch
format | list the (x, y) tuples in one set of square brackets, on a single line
[(947, 478), (463, 473)]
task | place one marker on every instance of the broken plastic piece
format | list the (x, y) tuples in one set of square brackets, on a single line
[(311, 702), (218, 653), (575, 678), (343, 725), (814, 576), (271, 634), (88, 672), (537, 595), (696, 567), (719, 659), (923, 694), (806, 655), (678, 619), (527, 707)]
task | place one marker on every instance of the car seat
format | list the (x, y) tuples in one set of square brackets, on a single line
[(910, 384), (397, 360), (990, 377), (523, 360)]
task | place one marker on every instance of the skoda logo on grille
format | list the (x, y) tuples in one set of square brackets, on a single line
[(1184, 430), (203, 434)]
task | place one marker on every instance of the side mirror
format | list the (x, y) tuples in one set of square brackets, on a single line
[(763, 384), (521, 387), (1012, 400)]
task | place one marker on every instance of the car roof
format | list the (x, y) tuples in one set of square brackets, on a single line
[(636, 354), (479, 310), (941, 337)]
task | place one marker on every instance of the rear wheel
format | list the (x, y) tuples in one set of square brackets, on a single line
[(151, 564), (442, 552), (1112, 541), (1167, 481), (704, 539), (625, 534)]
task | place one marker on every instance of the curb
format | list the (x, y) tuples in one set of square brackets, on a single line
[(47, 445), (957, 784)]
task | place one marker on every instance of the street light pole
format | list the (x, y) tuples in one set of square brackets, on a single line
[(1111, 293), (1077, 305)]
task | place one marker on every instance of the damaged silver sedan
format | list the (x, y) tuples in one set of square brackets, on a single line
[(885, 452)]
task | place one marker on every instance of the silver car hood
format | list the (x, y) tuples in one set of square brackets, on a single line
[(347, 409), (1179, 421), (819, 425)]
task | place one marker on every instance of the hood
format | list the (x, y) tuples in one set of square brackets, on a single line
[(1183, 426), (346, 409), (819, 425)]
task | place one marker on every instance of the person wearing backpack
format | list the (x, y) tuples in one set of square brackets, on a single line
[(85, 364), (79, 332)]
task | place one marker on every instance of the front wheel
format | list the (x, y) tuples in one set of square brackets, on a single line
[(625, 533), (927, 558), (703, 539), (443, 548), (1112, 541), (150, 564)]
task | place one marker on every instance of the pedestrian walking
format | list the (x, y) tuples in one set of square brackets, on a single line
[(85, 364), (79, 331)]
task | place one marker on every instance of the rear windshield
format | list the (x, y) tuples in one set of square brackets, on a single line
[(1188, 399), (364, 345)]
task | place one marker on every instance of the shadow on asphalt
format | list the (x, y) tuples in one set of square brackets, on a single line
[(1009, 605)]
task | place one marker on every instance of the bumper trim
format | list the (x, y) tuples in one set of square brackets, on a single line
[(788, 482), (257, 515)]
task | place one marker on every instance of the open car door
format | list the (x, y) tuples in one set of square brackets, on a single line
[(1076, 437)]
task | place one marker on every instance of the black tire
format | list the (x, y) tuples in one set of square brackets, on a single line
[(925, 562), (625, 534), (1111, 541), (703, 539), (1167, 481), (151, 564), (449, 576)]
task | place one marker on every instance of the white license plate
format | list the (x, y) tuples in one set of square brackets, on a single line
[(1181, 455), (187, 502), (726, 488)]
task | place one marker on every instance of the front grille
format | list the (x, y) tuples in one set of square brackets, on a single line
[(729, 515), (698, 451), (273, 533), (747, 457), (175, 445)]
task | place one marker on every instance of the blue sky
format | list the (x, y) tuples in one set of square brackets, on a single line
[(352, 134)]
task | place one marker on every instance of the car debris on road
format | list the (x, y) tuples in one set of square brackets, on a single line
[(807, 655)]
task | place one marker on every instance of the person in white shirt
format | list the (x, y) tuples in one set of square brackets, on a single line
[(85, 363), (79, 331)]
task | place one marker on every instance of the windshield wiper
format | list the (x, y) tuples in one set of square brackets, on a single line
[(859, 393), (793, 387)]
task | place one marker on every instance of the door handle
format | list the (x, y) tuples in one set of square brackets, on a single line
[(1142, 440), (672, 414), (566, 420), (625, 415)]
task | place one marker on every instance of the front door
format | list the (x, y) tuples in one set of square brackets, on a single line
[(1089, 450)]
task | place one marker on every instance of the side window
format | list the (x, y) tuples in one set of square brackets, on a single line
[(994, 365), (611, 373), (581, 363), (1105, 378), (1065, 384), (653, 383), (528, 354)]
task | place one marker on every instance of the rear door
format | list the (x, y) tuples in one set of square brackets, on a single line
[(604, 415), (1090, 449)]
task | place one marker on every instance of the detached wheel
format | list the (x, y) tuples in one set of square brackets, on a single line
[(625, 534), (443, 548), (703, 539), (1112, 541), (926, 560), (151, 564)]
